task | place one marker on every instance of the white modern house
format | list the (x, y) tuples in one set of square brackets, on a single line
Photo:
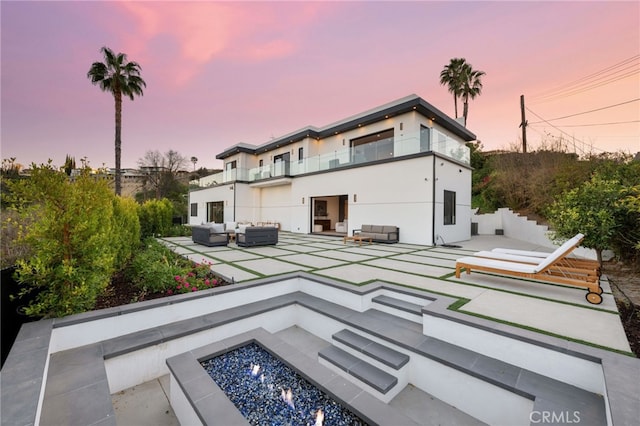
[(404, 164)]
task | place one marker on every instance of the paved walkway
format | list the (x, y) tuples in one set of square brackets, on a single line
[(558, 310)]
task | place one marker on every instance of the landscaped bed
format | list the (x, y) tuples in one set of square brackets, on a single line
[(157, 272)]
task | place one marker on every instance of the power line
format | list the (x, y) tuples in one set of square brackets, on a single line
[(609, 73), (600, 124), (587, 112), (561, 131), (587, 88)]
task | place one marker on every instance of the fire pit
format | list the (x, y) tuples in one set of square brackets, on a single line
[(265, 390)]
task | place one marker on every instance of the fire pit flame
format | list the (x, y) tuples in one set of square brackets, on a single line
[(255, 369), (319, 417), (288, 398)]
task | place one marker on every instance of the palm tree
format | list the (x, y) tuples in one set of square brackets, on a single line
[(194, 160), (463, 81), (471, 87), (450, 76), (118, 77)]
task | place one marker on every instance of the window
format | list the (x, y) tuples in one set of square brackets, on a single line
[(215, 211), (261, 163), (231, 165), (425, 139), (194, 209), (449, 207), (281, 164), (373, 147), (300, 153)]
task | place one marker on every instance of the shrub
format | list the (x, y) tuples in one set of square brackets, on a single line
[(606, 209), (199, 278), (156, 218), (126, 230), (154, 267), (70, 239), (157, 269)]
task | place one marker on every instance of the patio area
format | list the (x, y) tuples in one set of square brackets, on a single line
[(550, 325), (550, 309)]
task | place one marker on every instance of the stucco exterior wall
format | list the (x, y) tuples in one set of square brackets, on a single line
[(397, 193), (452, 177)]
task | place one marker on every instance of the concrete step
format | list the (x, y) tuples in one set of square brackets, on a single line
[(402, 308), (375, 350), (376, 378)]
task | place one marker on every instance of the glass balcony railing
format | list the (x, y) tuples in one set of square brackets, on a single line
[(425, 141)]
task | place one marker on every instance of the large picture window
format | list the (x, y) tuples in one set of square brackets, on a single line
[(449, 207), (377, 146)]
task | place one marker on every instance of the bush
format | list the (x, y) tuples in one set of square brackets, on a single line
[(606, 209), (200, 278), (70, 239), (153, 269), (126, 230), (156, 269), (156, 218)]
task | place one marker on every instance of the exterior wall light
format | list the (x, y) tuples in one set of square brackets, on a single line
[(355, 198)]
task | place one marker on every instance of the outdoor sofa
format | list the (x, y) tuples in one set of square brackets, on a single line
[(210, 235), (379, 233), (252, 236)]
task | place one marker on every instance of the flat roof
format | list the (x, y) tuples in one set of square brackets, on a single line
[(397, 107)]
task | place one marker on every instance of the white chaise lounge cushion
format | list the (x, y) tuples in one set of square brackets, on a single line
[(525, 267), (482, 262)]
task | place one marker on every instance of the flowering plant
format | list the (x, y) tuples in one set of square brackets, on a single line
[(199, 278)]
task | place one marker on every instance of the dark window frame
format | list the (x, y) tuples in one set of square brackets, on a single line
[(449, 207), (194, 209)]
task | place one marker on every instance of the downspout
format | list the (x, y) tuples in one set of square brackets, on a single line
[(235, 186), (433, 204)]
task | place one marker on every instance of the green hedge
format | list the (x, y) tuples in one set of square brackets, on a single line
[(155, 218)]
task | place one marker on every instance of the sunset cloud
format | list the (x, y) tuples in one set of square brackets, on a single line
[(206, 31)]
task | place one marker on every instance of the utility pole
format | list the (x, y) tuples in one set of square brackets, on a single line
[(523, 124)]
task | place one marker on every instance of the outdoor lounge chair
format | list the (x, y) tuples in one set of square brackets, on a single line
[(552, 268), (536, 257)]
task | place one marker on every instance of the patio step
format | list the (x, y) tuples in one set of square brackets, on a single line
[(379, 380), (402, 308), (381, 353)]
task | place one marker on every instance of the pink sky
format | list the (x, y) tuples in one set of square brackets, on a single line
[(221, 73)]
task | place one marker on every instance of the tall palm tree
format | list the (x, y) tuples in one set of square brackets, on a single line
[(471, 87), (450, 76), (463, 81), (118, 77)]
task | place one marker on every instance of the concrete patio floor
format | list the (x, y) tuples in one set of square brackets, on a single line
[(552, 309)]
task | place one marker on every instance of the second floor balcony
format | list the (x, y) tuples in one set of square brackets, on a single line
[(426, 141)]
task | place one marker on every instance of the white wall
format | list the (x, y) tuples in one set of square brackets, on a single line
[(276, 205), (396, 193), (453, 177), (201, 197), (520, 228)]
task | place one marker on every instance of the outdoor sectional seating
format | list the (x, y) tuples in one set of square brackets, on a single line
[(210, 235), (379, 233), (252, 236)]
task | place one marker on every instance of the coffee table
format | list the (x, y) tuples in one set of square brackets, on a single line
[(356, 238)]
